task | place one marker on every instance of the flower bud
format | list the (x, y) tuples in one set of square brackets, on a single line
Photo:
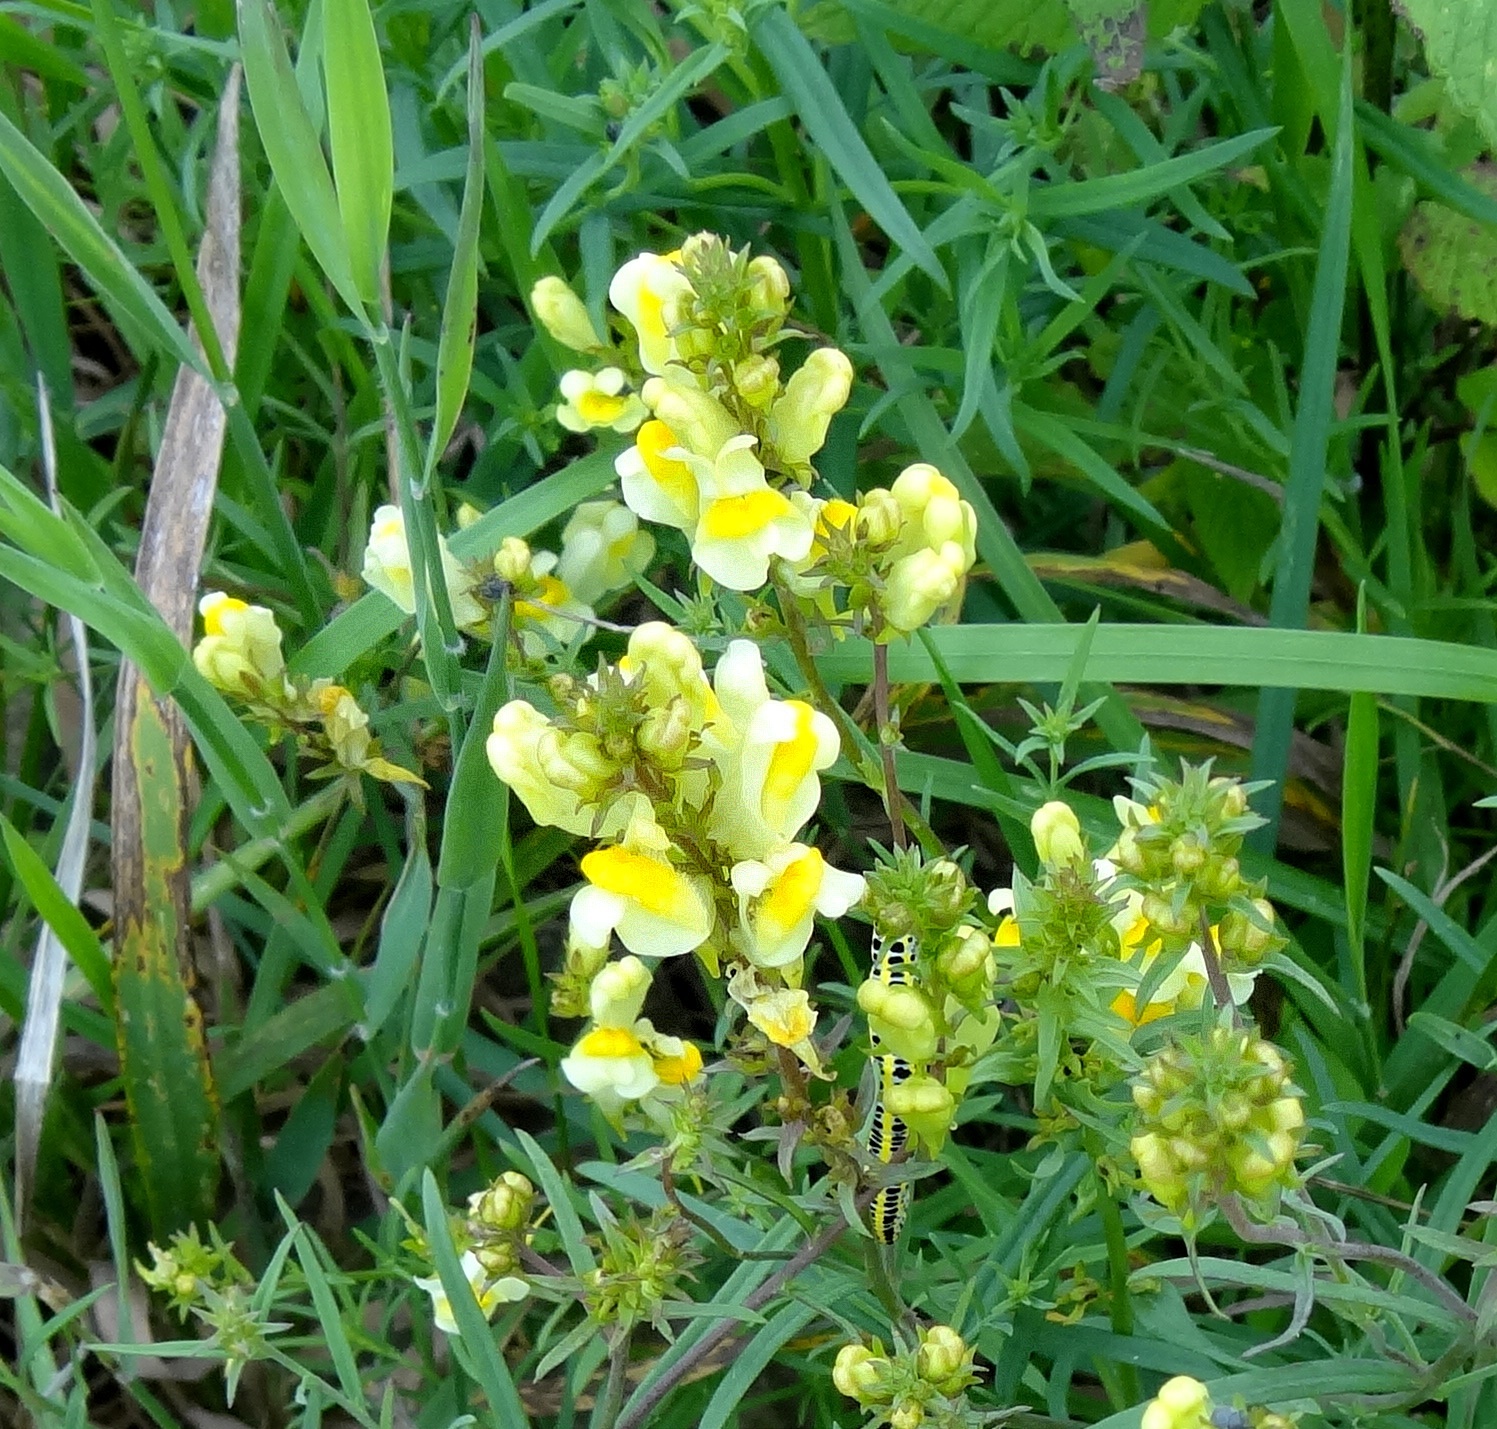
[(880, 519), (817, 391), (618, 992), (757, 379), (859, 1374), (1182, 1403), (769, 285), (665, 733), (901, 1018), (1057, 834), (943, 1359), (922, 583), (967, 963), (561, 312), (907, 1414), (926, 1107)]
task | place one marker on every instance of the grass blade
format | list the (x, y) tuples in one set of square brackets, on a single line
[(1289, 606), (359, 135), (806, 84)]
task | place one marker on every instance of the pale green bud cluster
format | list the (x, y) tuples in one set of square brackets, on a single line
[(921, 1386), (1217, 1115), (1179, 845), (641, 1265), (191, 1274), (498, 1217)]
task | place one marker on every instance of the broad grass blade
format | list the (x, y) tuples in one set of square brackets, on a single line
[(164, 1066)]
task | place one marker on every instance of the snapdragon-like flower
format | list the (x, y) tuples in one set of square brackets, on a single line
[(598, 401), (562, 313), (387, 568), (602, 550), (542, 603), (490, 1293), (770, 786), (240, 652), (935, 548), (815, 393), (785, 1016), (646, 290), (779, 897), (636, 891)]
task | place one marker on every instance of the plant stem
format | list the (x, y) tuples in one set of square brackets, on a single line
[(606, 1411), (1221, 989), (893, 801), (643, 1405)]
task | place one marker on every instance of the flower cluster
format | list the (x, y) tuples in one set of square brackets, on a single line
[(937, 1013), (492, 1233), (240, 655), (553, 594), (922, 1385), (641, 1264), (893, 559), (696, 792), (1217, 1115)]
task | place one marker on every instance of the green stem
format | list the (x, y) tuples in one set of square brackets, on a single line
[(219, 878), (893, 802), (1120, 1306)]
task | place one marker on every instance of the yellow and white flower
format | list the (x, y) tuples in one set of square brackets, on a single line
[(612, 1066), (240, 652), (779, 897), (561, 312), (543, 603), (657, 485), (784, 1015), (769, 784), (387, 568), (815, 393), (490, 1294), (597, 400), (742, 521), (648, 290), (634, 890), (602, 550)]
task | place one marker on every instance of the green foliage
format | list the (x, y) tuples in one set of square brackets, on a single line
[(1197, 315)]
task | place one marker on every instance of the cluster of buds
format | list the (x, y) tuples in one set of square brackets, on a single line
[(696, 791), (641, 1265), (893, 560), (553, 593), (187, 1271), (1178, 850), (240, 655), (937, 1015), (1217, 1115), (920, 1386), (492, 1234)]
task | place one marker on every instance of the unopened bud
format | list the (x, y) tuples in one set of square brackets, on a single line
[(1057, 834), (859, 1374), (561, 312), (757, 379), (942, 1358)]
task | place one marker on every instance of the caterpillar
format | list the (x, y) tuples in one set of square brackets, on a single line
[(893, 963)]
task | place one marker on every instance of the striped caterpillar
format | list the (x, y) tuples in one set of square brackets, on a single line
[(893, 963)]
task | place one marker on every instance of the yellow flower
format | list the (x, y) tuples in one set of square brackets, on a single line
[(901, 1018), (798, 420), (926, 1107), (779, 897), (598, 399), (558, 778), (656, 483), (387, 568), (345, 724), (489, 1293), (635, 891), (675, 1060), (618, 992), (769, 753), (785, 1016), (668, 666), (1057, 833), (1182, 1403), (922, 583), (240, 652), (859, 1374), (561, 312), (602, 550), (611, 1065), (648, 290), (542, 601), (932, 504)]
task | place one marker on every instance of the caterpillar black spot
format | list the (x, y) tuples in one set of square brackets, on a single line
[(893, 963)]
